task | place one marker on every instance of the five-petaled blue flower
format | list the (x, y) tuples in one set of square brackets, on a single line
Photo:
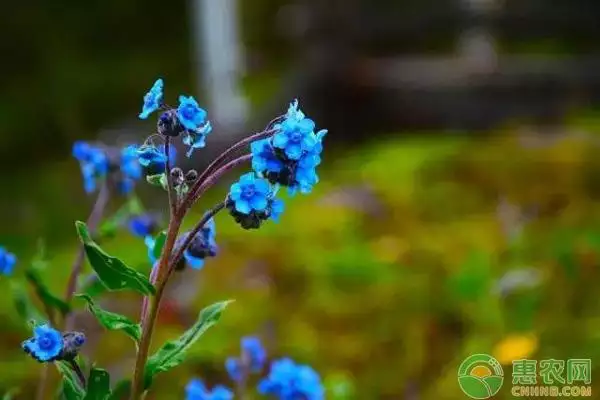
[(196, 390), (152, 99), (7, 262), (252, 359), (290, 381), (250, 193), (93, 162), (45, 345), (295, 134), (196, 139), (191, 116), (142, 225)]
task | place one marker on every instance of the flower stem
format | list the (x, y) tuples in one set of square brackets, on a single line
[(189, 200), (92, 222), (149, 317), (78, 371)]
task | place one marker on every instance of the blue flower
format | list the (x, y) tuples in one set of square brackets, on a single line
[(196, 139), (250, 193), (152, 99), (289, 381), (190, 114), (298, 173), (253, 359), (196, 390), (7, 262), (295, 134), (93, 162), (142, 225), (45, 345)]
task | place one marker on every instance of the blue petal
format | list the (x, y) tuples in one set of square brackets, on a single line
[(242, 206), (259, 203), (262, 186), (293, 151), (280, 140), (235, 191), (306, 125), (194, 262)]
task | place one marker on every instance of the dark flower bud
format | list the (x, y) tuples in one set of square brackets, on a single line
[(169, 125), (177, 176), (191, 176)]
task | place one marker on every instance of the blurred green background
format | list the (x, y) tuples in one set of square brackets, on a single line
[(457, 209)]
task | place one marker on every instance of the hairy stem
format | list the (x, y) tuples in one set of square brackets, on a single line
[(223, 157), (149, 317)]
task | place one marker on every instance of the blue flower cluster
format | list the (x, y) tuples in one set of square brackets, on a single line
[(7, 262), (196, 390), (290, 381), (97, 162), (252, 200), (189, 119), (48, 344), (252, 359), (290, 157)]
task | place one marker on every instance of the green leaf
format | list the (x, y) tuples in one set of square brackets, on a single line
[(114, 273), (173, 352), (159, 180), (23, 304), (51, 301), (121, 390), (72, 389), (159, 243), (113, 321), (98, 387)]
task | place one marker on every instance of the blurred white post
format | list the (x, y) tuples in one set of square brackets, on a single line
[(219, 61), (477, 45)]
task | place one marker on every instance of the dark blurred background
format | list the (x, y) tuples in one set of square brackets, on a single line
[(462, 148)]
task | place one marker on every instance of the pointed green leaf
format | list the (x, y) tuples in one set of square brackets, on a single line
[(159, 243), (114, 273), (113, 321), (72, 389), (98, 387), (25, 308), (173, 352), (159, 180), (51, 301), (121, 390)]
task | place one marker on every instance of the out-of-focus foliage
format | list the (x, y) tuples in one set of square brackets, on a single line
[(392, 273)]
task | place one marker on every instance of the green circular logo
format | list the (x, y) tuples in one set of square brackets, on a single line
[(480, 376)]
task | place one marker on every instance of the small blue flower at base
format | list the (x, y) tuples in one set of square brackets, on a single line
[(152, 99), (142, 225), (196, 139), (93, 162), (295, 134), (289, 381), (196, 390), (191, 116), (7, 262), (250, 193), (45, 345)]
